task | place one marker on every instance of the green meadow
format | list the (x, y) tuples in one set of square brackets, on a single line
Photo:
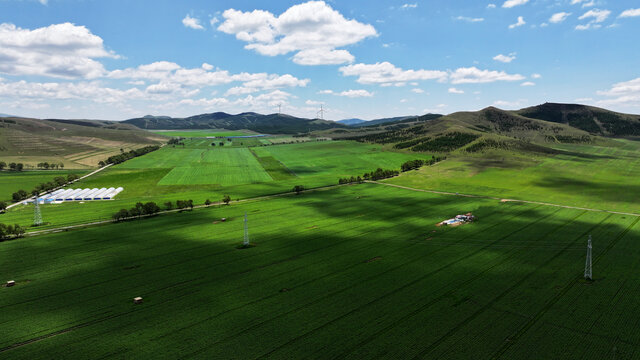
[(583, 175), (11, 181), (199, 171), (357, 272)]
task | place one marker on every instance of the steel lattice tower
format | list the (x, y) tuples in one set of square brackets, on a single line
[(37, 216), (246, 231), (588, 271)]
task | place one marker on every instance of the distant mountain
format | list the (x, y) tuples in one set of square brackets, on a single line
[(266, 124), (7, 115), (351, 122), (591, 119)]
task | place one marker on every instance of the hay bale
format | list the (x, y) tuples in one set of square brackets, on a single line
[(137, 300), (10, 283), (223, 219)]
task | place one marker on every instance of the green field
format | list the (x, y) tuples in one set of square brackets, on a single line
[(11, 182), (355, 272), (200, 133), (199, 171), (585, 175)]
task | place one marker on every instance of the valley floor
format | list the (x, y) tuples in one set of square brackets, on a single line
[(355, 272)]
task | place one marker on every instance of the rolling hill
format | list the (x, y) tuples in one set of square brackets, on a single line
[(76, 143), (266, 124), (594, 120), (351, 122), (489, 128)]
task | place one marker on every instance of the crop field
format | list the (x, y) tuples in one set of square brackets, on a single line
[(357, 272), (200, 133), (11, 182), (586, 175), (199, 171)]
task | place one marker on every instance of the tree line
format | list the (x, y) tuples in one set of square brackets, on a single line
[(151, 208), (124, 156), (57, 182), (12, 166), (50, 166), (9, 231), (380, 173)]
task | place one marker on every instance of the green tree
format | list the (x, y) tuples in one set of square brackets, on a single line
[(168, 205), (3, 165), (12, 166), (298, 189), (19, 166), (3, 206), (226, 199), (207, 202), (121, 215), (150, 208)]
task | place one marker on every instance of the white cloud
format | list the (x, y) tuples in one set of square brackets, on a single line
[(313, 102), (597, 16), (491, 6), (92, 91), (417, 91), (323, 57), (512, 3), (455, 91), (559, 17), (519, 23), (356, 93), (59, 50), (469, 19), (473, 75), (503, 103), (528, 83), (630, 13), (583, 2), (348, 93), (505, 58), (622, 93), (310, 29), (385, 73), (409, 6), (192, 23), (43, 2), (214, 20)]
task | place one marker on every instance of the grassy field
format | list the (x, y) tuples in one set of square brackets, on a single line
[(588, 176), (357, 272), (199, 171), (11, 182), (201, 133)]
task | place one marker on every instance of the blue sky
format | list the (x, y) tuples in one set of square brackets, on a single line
[(121, 59)]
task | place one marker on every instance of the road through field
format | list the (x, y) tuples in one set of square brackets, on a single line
[(502, 199)]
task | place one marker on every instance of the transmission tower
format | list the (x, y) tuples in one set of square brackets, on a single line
[(320, 113), (37, 216), (246, 231), (279, 109), (588, 273)]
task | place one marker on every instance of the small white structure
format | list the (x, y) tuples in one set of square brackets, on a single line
[(137, 300), (61, 195), (10, 283)]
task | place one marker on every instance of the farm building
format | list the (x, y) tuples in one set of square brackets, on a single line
[(77, 195)]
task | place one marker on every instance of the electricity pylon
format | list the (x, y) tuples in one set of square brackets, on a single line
[(246, 231), (37, 216), (588, 271)]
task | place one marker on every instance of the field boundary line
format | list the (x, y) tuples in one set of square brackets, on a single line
[(502, 199)]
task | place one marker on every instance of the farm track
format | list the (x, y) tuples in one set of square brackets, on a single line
[(503, 199)]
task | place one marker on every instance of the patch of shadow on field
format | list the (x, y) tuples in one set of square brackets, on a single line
[(193, 281), (606, 191)]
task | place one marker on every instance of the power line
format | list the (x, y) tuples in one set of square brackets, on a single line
[(588, 271), (37, 215)]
